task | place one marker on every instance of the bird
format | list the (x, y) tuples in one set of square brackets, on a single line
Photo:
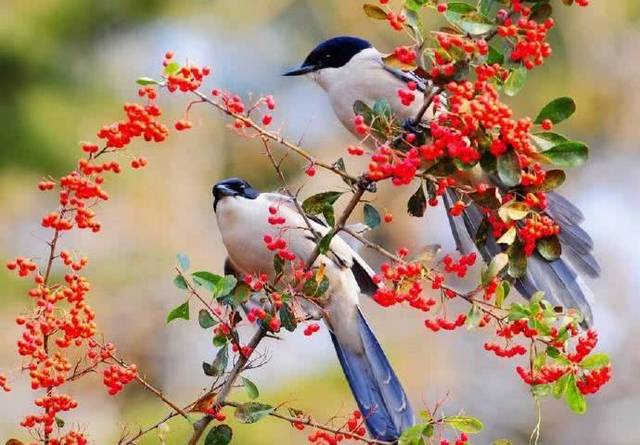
[(242, 215), (350, 68)]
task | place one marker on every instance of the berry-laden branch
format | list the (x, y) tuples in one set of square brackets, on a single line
[(470, 131)]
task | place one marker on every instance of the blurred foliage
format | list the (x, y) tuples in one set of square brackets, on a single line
[(42, 45), (59, 81)]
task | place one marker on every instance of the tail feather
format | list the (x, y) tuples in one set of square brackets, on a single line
[(558, 279), (376, 388)]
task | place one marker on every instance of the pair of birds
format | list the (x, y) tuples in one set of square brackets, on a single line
[(350, 69)]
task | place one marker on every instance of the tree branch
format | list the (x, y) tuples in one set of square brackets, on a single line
[(201, 425)]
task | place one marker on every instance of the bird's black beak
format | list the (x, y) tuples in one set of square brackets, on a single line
[(304, 69)]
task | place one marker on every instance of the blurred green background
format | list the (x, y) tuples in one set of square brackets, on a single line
[(66, 66)]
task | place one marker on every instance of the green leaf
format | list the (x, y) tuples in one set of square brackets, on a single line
[(415, 5), (278, 264), (371, 216), (180, 282), (509, 169), (315, 204), (414, 24), (325, 242), (508, 237), (502, 292), (560, 386), (183, 261), (574, 398), (181, 311), (219, 341), (549, 248), (595, 361), (219, 435), (414, 435), (518, 312), (568, 154), (205, 320), (465, 424), (515, 82), (546, 139), (329, 215), (517, 260), (362, 109), (206, 279), (484, 6), (250, 388), (144, 81), (171, 69), (59, 422), (417, 204), (242, 291), (221, 361), (541, 390), (473, 317), (310, 287), (460, 7), (501, 442), (513, 211), (557, 110), (497, 264), (374, 11), (382, 108), (226, 286), (251, 412), (287, 318), (495, 56), (470, 22), (323, 286)]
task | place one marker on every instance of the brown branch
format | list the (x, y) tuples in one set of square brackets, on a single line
[(309, 422), (201, 425)]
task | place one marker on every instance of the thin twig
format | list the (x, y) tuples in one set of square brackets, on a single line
[(276, 138), (309, 422), (201, 425)]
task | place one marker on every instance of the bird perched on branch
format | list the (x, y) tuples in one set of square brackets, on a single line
[(242, 214), (350, 69)]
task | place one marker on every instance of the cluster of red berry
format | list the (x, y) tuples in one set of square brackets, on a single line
[(448, 325), (52, 405), (115, 377), (463, 439), (405, 54), (535, 228), (311, 329), (183, 78), (407, 96)]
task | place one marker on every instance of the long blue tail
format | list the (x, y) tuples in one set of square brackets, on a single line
[(377, 390), (560, 280)]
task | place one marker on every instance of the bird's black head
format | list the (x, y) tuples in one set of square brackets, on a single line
[(233, 187), (332, 53)]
